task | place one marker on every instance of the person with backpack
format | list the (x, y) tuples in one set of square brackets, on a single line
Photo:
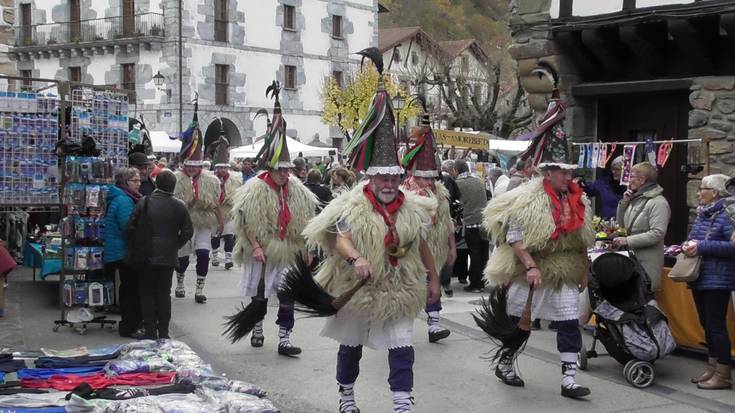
[(165, 221)]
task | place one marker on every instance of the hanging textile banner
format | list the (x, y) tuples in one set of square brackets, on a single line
[(650, 151), (602, 160), (663, 153), (580, 161), (611, 152), (595, 154), (628, 156)]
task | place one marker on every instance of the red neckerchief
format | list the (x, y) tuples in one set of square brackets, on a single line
[(195, 186), (284, 215), (391, 239), (568, 211), (222, 193)]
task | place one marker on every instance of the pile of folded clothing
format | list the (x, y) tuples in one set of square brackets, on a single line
[(140, 377)]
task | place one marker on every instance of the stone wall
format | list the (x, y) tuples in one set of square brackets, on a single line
[(712, 117), (532, 46)]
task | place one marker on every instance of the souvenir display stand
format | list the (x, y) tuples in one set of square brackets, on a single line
[(46, 129), (99, 114)]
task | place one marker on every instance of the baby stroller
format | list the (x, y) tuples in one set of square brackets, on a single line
[(628, 320)]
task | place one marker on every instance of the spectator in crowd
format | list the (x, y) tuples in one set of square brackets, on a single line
[(170, 228), (523, 174), (710, 240), (300, 169), (645, 214), (494, 177), (160, 165), (121, 199), (474, 199), (607, 189), (342, 180), (501, 185), (314, 183), (247, 169), (144, 166), (455, 205)]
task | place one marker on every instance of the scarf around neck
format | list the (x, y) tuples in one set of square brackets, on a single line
[(135, 196), (223, 182), (284, 214), (567, 210), (424, 190), (391, 239)]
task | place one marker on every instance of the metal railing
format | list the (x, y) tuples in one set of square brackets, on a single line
[(92, 30)]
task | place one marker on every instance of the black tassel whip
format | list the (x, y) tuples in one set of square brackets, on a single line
[(493, 318), (241, 324), (298, 286)]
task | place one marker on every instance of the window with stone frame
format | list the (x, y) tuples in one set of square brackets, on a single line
[(414, 58), (396, 55), (26, 83), (337, 75), (75, 74), (337, 26), (221, 82), (289, 73), (220, 20), (128, 80), (289, 17)]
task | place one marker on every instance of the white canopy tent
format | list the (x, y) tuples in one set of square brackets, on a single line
[(506, 146), (294, 148), (160, 142)]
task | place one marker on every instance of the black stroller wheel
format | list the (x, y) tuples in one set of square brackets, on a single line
[(640, 374)]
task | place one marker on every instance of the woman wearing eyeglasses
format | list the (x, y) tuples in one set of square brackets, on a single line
[(645, 214), (121, 199), (710, 239)]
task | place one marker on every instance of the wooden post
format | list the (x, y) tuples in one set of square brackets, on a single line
[(705, 150)]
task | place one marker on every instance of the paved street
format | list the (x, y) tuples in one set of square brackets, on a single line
[(449, 377)]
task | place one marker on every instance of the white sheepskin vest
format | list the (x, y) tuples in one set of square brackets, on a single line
[(393, 292), (561, 261), (441, 227), (256, 208), (234, 182), (201, 210)]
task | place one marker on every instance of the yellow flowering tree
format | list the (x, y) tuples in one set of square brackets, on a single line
[(345, 107)]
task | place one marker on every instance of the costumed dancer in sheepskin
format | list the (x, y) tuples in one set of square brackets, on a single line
[(229, 182), (375, 232), (200, 191), (422, 166), (543, 230), (270, 213)]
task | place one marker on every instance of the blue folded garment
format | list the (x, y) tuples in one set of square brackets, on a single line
[(47, 373), (2, 377)]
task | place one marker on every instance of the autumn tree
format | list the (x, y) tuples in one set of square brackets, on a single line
[(345, 107)]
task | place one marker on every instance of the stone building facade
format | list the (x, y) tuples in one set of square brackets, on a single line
[(232, 49), (629, 69)]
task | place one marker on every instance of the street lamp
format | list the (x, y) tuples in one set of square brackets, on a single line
[(398, 102), (159, 80)]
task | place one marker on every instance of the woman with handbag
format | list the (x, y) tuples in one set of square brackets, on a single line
[(644, 212), (121, 199), (709, 239)]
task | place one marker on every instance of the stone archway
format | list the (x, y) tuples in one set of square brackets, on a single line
[(231, 132)]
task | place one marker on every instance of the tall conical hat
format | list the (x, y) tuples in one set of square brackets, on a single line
[(422, 159), (274, 153), (222, 149), (192, 150), (373, 148)]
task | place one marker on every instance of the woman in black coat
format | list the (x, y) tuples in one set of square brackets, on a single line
[(169, 226)]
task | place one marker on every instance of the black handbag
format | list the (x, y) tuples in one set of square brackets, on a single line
[(139, 233)]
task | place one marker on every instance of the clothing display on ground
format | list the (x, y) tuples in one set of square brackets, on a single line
[(182, 382)]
